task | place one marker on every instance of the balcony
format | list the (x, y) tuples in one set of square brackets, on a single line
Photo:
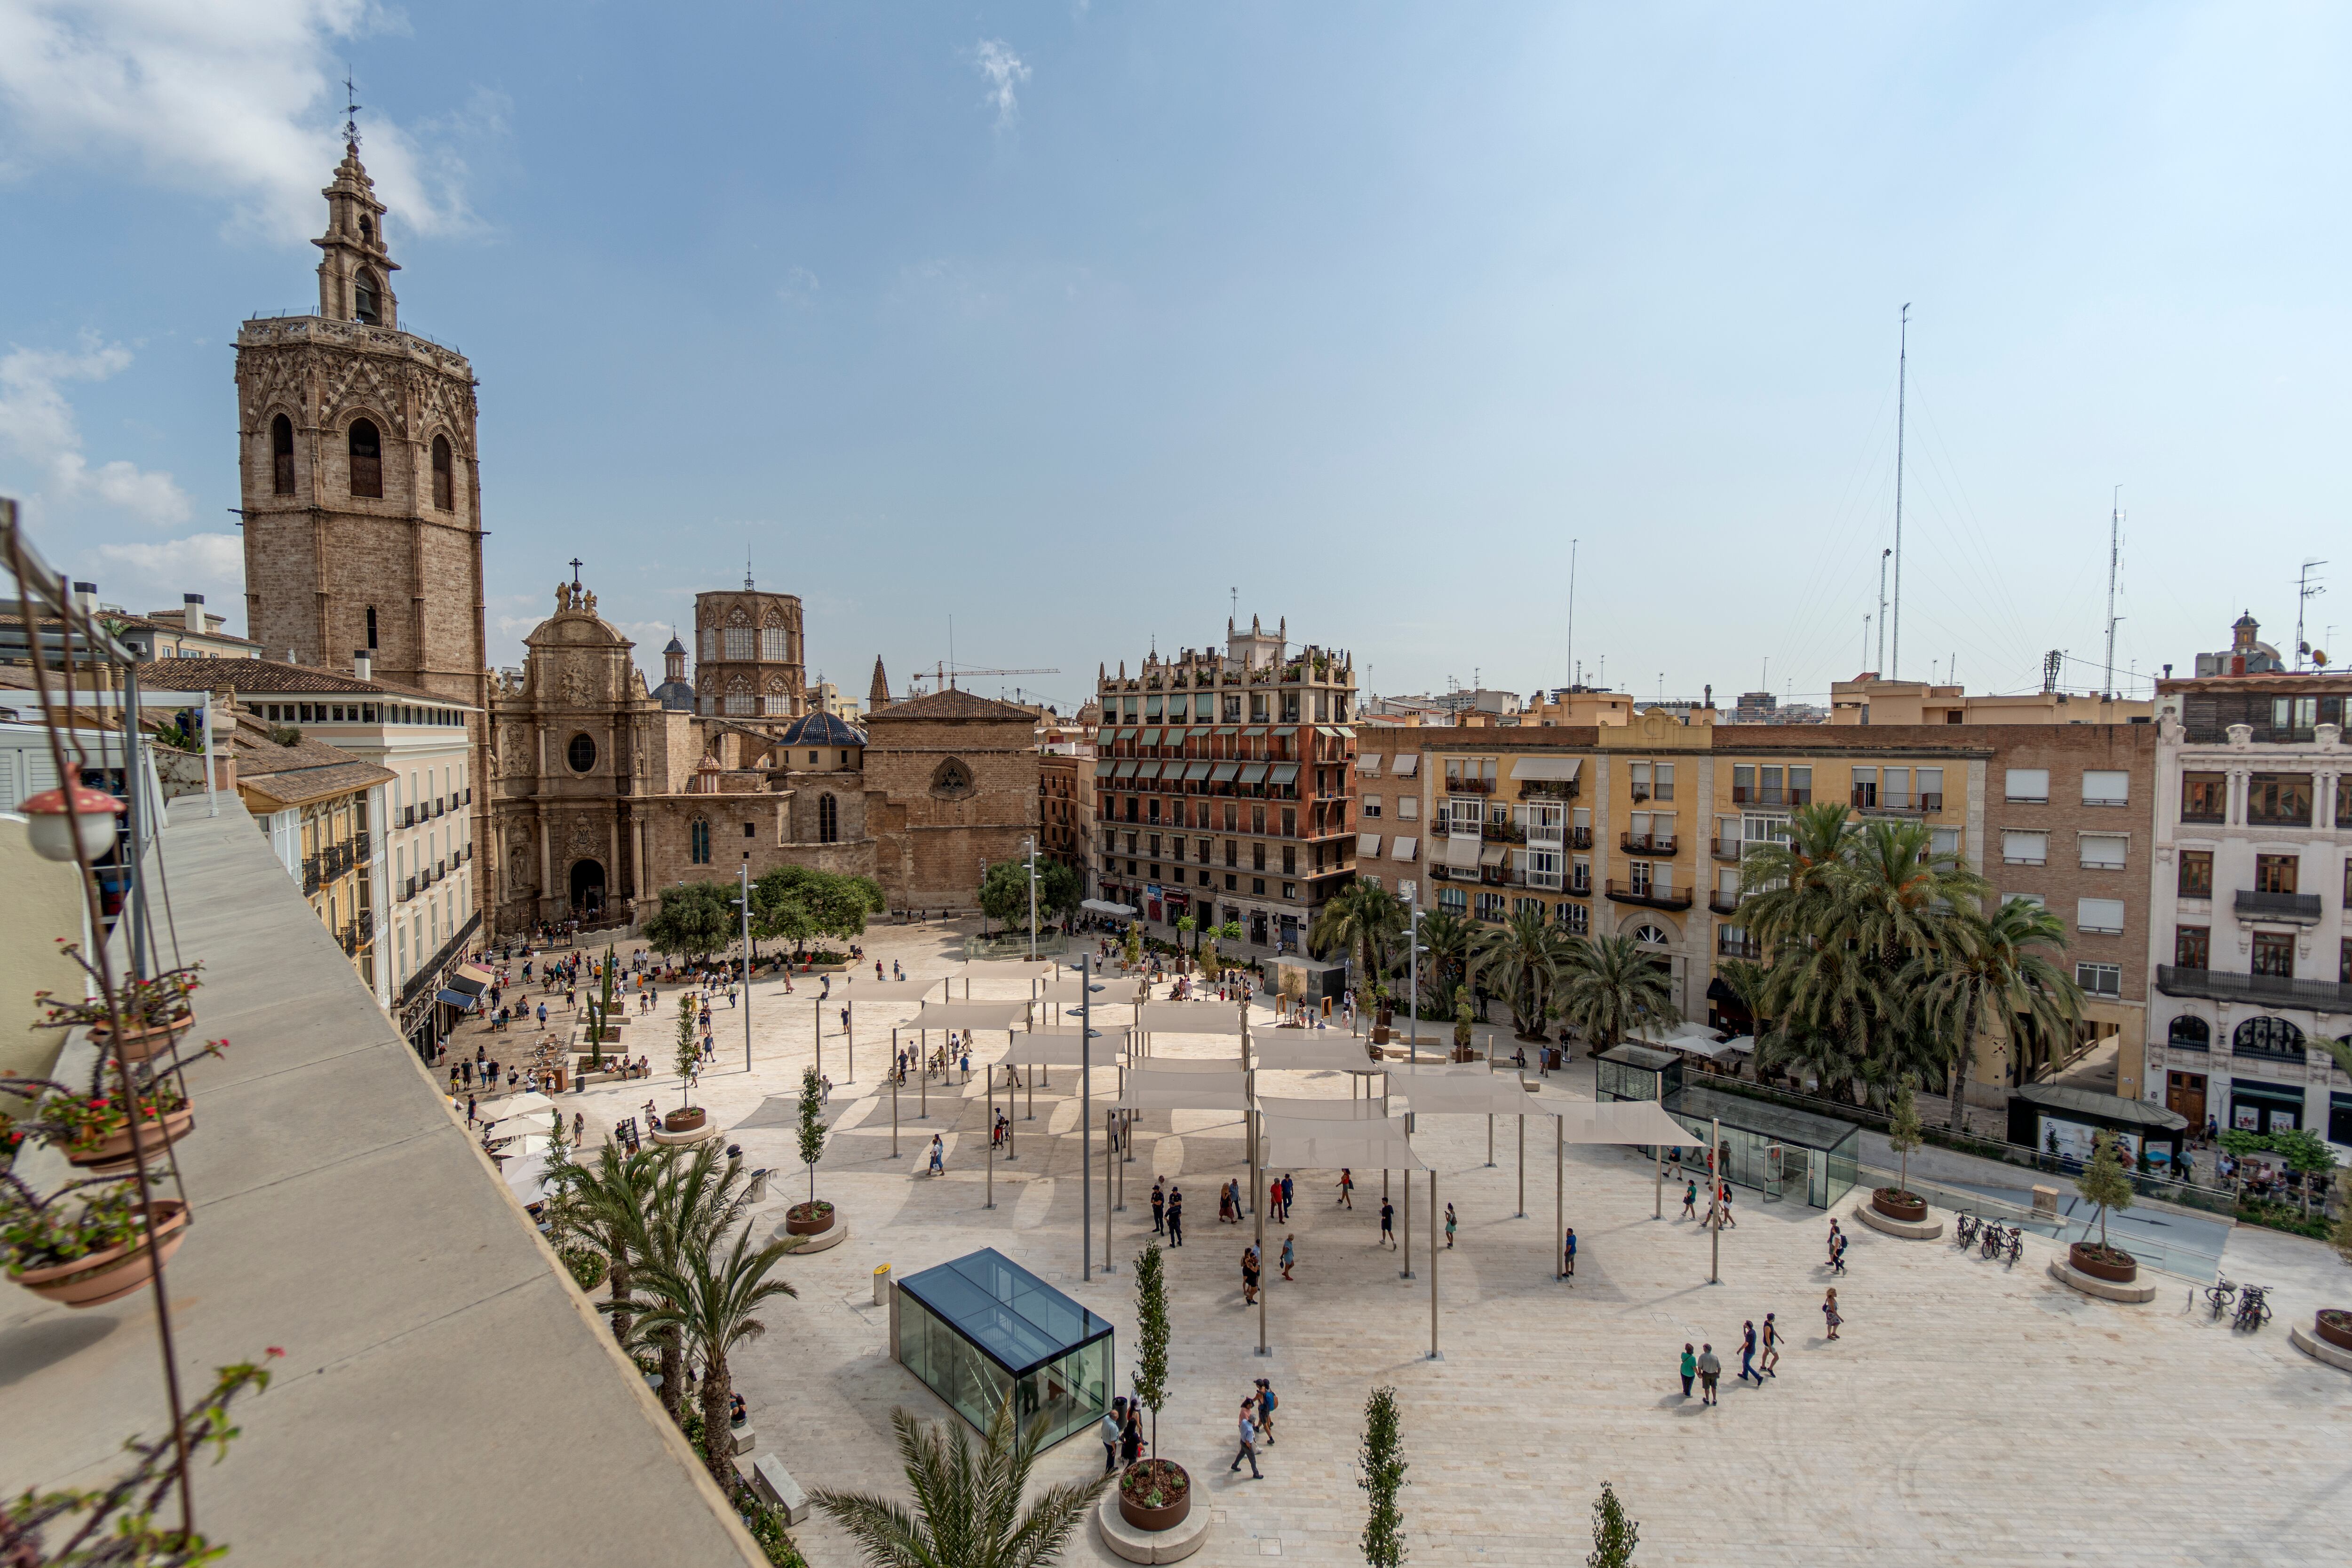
[(364, 849), (1579, 887), (1580, 838), (1647, 843), (310, 875), (1771, 794), (1652, 897), (1727, 848), (2294, 909), (1503, 833), (1549, 789), (2262, 990), (1729, 946), (1469, 786), (407, 889), (1723, 901)]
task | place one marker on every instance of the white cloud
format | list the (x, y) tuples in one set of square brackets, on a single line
[(233, 97), (154, 576), (799, 286), (37, 424), (1005, 72)]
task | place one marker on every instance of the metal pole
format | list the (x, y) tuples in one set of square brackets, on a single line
[(134, 900), (1032, 914), (1011, 1124), (1559, 1196), (746, 875), (1412, 985), (1658, 1181), (991, 1077), (1490, 1140), (1110, 1143), (848, 1033), (893, 1094), (818, 1005), (1434, 1353), (1406, 1273), (1523, 1166), (923, 1085), (1086, 1127), (1715, 1209)]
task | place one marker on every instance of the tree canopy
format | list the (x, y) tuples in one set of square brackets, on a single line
[(1004, 892), (695, 920), (800, 903)]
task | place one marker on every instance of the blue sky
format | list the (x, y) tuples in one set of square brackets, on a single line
[(1066, 320)]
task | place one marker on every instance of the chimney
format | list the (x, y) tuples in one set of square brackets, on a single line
[(192, 615), (85, 597), (362, 664)]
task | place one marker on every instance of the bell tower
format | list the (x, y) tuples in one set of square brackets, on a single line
[(355, 274)]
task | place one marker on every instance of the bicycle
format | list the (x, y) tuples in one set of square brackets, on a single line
[(2221, 1294), (2253, 1311), (1964, 1229), (1991, 1245), (2016, 1247)]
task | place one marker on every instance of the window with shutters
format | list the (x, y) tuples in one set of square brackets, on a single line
[(2105, 787), (2204, 797), (2102, 851), (2105, 916), (2025, 848), (367, 459), (1931, 789), (1370, 809), (281, 455), (1801, 784), (1408, 808), (1944, 841), (1865, 794), (2028, 786)]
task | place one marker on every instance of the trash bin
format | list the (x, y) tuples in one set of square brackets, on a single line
[(759, 1192), (881, 1284)]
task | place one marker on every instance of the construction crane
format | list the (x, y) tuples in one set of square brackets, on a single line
[(945, 674)]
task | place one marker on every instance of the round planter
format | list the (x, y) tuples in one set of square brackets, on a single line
[(138, 1045), (115, 1149), (2084, 1258), (808, 1219), (2333, 1326), (687, 1121), (1167, 1517), (113, 1272), (1893, 1205)]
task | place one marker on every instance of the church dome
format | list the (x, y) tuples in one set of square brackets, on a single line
[(822, 729), (675, 646)]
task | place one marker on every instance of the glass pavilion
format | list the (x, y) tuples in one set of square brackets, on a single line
[(982, 1328)]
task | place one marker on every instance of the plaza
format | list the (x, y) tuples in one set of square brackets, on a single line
[(1969, 1411)]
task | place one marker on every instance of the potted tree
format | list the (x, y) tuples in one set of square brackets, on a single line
[(689, 1117), (811, 1218), (1463, 1018), (2105, 1184), (2333, 1324), (1904, 1134), (1156, 1494), (1381, 1466)]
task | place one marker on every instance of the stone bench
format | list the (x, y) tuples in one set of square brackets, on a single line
[(775, 1484)]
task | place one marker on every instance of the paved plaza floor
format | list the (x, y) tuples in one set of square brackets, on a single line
[(1971, 1412)]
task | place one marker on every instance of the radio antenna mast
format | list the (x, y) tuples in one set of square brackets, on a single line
[(1572, 612), (1902, 376), (2114, 558)]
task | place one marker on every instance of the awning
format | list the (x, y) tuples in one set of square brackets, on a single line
[(1103, 767), (1286, 732), (1223, 772), (457, 999), (1148, 738), (1147, 769), (1105, 907), (1196, 770), (1460, 853), (1191, 1018), (1255, 773), (466, 984), (1345, 732), (1126, 769), (1254, 732), (1368, 845), (1283, 773), (1228, 730), (1404, 848), (969, 1016), (476, 971), (1406, 764), (1560, 768), (1492, 855), (1368, 764)]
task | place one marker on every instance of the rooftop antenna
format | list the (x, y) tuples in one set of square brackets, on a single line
[(1571, 609), (747, 570), (1902, 376), (2114, 558), (2305, 590), (351, 108), (1880, 663)]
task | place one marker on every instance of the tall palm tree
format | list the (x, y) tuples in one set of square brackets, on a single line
[(1445, 939), (1363, 919), (603, 1204), (1609, 984), (967, 1512), (695, 1200), (705, 1303), (1528, 954), (1898, 894), (1992, 971), (1827, 1001), (1786, 885)]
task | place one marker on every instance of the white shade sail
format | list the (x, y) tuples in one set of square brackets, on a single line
[(1190, 1017), (1061, 1048), (512, 1114), (1201, 1065), (1312, 1056), (1277, 1107), (1147, 1090), (1620, 1121), (1436, 1092), (1117, 992), (1105, 907), (1333, 1146), (969, 1016)]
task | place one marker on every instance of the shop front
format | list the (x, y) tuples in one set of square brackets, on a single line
[(2064, 1122), (2259, 1107)]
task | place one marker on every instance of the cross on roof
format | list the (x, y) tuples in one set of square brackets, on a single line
[(574, 565)]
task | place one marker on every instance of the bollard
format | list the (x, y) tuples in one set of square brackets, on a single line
[(881, 1283)]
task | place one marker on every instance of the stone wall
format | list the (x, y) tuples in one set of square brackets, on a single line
[(958, 775)]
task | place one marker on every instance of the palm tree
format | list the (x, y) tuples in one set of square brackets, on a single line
[(1361, 918), (1446, 940), (705, 1303), (1994, 970), (1787, 884), (1528, 954), (1609, 984), (967, 1512), (693, 1202), (1827, 1001), (603, 1206), (1898, 894)]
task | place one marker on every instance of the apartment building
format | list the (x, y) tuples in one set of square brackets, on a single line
[(2251, 877), (1223, 784), (1868, 700), (1059, 808), (321, 809)]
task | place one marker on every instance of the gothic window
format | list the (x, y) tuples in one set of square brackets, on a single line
[(582, 752), (952, 778), (828, 820), (739, 642), (444, 477), (367, 461), (709, 645), (281, 455), (698, 842), (738, 696), (776, 700), (773, 646)]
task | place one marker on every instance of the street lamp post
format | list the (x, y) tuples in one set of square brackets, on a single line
[(744, 877)]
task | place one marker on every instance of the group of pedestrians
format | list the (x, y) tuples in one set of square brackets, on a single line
[(1707, 1368), (1168, 1211), (1256, 1427)]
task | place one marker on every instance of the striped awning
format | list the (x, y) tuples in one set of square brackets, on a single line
[(1223, 772), (1254, 774)]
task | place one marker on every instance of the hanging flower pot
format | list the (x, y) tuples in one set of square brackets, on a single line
[(108, 1273), (155, 1135), (142, 1041)]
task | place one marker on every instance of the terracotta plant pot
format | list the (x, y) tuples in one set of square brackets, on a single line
[(138, 1045), (808, 1219), (2333, 1324), (157, 1136), (2111, 1264), (686, 1121), (1380, 1034), (112, 1272), (1169, 1515), (1896, 1205)]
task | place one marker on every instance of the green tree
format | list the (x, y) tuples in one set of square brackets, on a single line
[(1005, 893), (1528, 955), (602, 1204), (801, 904), (1614, 1536), (1988, 971), (812, 1126), (706, 1300), (1150, 1379), (696, 1199), (689, 1046), (1360, 919), (1379, 1471), (2307, 1154), (1131, 946), (1229, 932), (967, 1511), (694, 921), (1787, 886), (2340, 1238), (1904, 1134), (1446, 940), (1463, 1017), (1608, 986), (2103, 1183)]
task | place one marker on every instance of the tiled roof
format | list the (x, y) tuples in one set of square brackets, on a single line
[(261, 675), (951, 704), (306, 771)]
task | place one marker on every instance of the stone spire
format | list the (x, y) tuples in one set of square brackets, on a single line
[(878, 695), (355, 275)]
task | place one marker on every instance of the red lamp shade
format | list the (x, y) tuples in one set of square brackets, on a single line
[(51, 831)]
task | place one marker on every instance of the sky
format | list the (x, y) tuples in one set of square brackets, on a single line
[(1037, 336)]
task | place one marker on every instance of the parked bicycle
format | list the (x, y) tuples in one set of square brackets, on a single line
[(2015, 1247), (1964, 1228), (1994, 1236), (2253, 1311), (2221, 1294)]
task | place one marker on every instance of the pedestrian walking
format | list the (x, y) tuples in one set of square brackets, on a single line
[(1772, 1346), (1690, 1368), (1388, 1225), (1570, 1248), (1249, 1276), (1690, 1200), (1175, 1217), (1449, 1227), (470, 1111), (1834, 1237), (1347, 1198), (1748, 1373), (1830, 1312), (1159, 1208), (1274, 1199), (1710, 1369), (1723, 1215), (1131, 1442), (939, 1156), (1267, 1403), (542, 1015), (1837, 1255), (1288, 1188), (1113, 1428), (1249, 1446), (1289, 1256)]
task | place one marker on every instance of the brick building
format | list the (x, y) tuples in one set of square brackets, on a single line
[(748, 661), (955, 775)]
